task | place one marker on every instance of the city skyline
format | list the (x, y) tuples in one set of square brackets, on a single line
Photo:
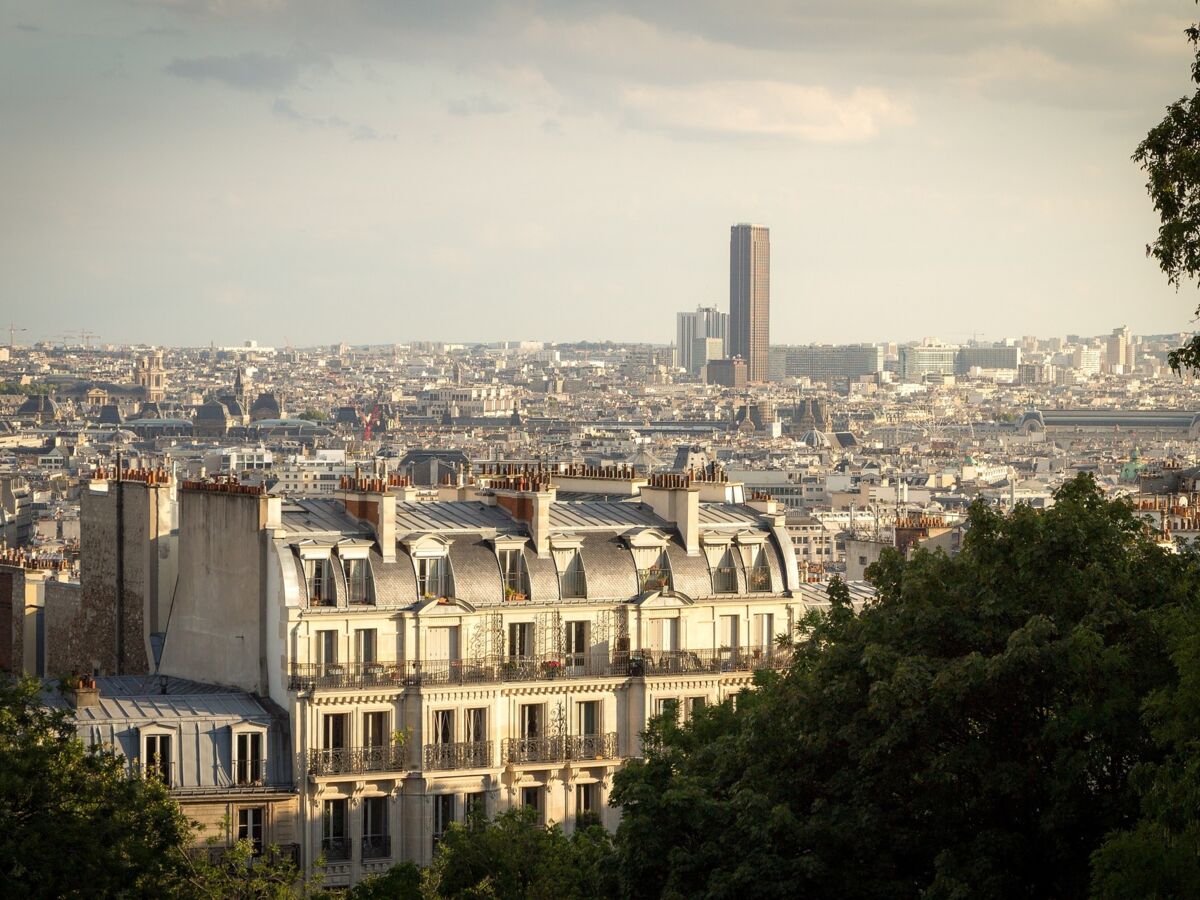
[(196, 171)]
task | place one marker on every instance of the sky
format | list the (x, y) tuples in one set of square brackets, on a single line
[(185, 172)]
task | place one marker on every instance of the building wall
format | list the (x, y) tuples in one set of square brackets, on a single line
[(66, 652), (750, 297), (215, 634)]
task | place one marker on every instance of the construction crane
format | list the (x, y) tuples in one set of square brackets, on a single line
[(12, 330), (85, 337)]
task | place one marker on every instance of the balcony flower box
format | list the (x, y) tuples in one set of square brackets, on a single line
[(551, 668), (514, 595)]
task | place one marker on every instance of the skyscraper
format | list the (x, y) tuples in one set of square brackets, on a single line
[(750, 297), (705, 322)]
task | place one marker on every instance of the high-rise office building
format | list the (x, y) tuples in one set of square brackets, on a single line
[(750, 297), (705, 322)]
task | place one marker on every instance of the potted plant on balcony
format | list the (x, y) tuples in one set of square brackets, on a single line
[(551, 668), (511, 593)]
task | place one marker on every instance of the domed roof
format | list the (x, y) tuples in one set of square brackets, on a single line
[(818, 440)]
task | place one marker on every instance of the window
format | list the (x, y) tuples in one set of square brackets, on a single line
[(667, 706), (514, 574), (762, 639), (335, 842), (360, 586), (158, 757), (250, 827), (376, 843), (532, 797), (520, 640), (576, 643), (374, 729), (662, 634), (327, 643), (694, 705), (433, 577), (760, 572), (572, 583), (587, 805), (657, 577), (443, 726), (728, 637), (725, 574), (365, 642), (531, 720), (443, 816), (250, 758), (476, 722), (320, 584), (441, 643), (334, 731), (588, 717), (862, 560)]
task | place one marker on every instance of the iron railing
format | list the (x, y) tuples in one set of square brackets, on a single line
[(758, 579), (307, 676), (335, 849), (656, 578), (725, 580), (559, 748), (731, 659), (216, 853), (459, 755), (250, 772), (498, 669), (376, 846), (356, 760)]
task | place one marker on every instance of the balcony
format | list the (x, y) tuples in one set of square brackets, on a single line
[(215, 854), (335, 849), (758, 579), (572, 585), (356, 760), (377, 846), (725, 580), (249, 772), (559, 748), (493, 670), (308, 676), (459, 755), (591, 746), (730, 659), (656, 578)]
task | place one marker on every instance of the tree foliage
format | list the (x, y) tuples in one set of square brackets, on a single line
[(976, 731), (513, 858), (1170, 156), (75, 823)]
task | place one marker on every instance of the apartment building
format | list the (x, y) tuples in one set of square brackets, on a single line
[(494, 649)]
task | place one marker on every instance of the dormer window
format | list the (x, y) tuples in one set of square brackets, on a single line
[(514, 574), (724, 574), (759, 574), (572, 581), (656, 576), (318, 573), (360, 586), (158, 761), (249, 757), (433, 578)]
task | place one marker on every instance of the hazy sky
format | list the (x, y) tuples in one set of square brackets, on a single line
[(187, 171)]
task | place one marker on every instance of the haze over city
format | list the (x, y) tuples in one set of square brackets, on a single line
[(184, 172)]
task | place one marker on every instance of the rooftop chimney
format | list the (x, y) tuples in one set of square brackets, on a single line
[(83, 693), (673, 497), (371, 499)]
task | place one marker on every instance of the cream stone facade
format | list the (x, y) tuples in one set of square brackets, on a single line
[(494, 648)]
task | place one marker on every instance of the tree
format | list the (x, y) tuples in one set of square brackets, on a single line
[(513, 858), (1170, 156), (75, 823), (972, 732), (401, 882)]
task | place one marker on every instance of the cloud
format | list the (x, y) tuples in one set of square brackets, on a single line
[(283, 108), (26, 27), (765, 108), (479, 105), (249, 71)]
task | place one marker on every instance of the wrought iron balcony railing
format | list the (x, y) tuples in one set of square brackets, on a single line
[(376, 846), (724, 580), (459, 755), (356, 760), (498, 669), (335, 849), (250, 772), (656, 578), (559, 748)]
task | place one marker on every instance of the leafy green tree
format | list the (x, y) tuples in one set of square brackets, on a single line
[(401, 882), (513, 858), (972, 732), (1170, 156), (75, 823)]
